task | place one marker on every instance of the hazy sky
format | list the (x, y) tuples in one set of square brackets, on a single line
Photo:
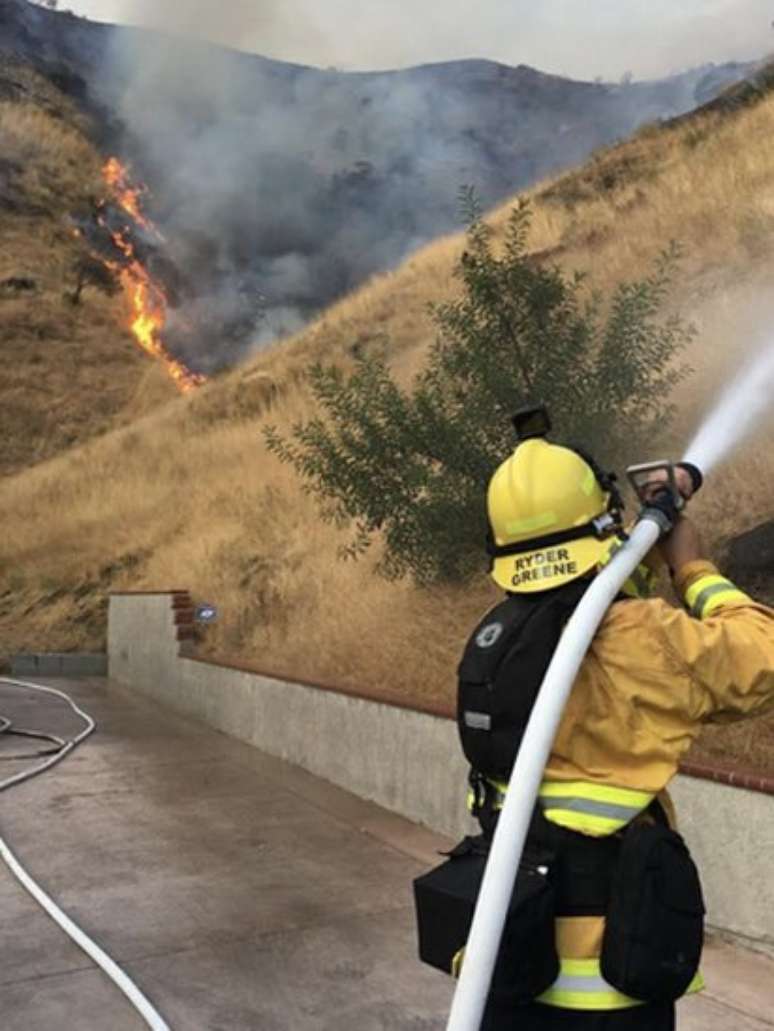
[(570, 37)]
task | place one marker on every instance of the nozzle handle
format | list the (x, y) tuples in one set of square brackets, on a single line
[(655, 476)]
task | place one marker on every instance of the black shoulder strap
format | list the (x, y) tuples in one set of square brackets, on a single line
[(493, 638), (501, 672)]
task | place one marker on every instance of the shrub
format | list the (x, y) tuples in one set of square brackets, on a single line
[(413, 466), (91, 271)]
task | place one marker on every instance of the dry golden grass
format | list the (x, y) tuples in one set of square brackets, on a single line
[(56, 162), (69, 372), (188, 496), (44, 141)]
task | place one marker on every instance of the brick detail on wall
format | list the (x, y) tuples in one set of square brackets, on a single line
[(184, 611)]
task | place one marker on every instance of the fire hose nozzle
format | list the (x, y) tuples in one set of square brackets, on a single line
[(653, 478)]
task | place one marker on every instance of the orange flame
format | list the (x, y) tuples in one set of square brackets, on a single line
[(147, 300), (117, 178)]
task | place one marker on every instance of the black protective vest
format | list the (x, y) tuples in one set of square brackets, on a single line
[(501, 672)]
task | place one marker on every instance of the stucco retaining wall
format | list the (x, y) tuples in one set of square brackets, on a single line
[(409, 761)]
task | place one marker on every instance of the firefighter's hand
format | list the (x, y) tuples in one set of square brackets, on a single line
[(686, 483), (682, 545)]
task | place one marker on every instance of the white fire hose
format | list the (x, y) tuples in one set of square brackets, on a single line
[(514, 820)]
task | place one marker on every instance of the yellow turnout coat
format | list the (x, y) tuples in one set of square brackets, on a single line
[(653, 676)]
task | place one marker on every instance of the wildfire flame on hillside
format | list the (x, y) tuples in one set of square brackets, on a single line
[(117, 177), (148, 302)]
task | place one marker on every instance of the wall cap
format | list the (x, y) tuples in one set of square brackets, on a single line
[(721, 773), (146, 594)]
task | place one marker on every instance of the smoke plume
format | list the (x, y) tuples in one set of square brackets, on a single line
[(281, 187), (559, 36)]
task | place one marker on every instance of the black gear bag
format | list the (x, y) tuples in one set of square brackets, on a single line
[(527, 963), (655, 919)]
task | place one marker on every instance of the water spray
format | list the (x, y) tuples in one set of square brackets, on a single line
[(656, 482), (736, 413)]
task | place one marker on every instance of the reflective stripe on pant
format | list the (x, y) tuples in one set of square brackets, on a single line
[(580, 986)]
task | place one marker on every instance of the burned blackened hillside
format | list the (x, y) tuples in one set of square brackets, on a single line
[(282, 187)]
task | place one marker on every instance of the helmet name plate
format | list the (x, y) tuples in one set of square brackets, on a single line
[(544, 565)]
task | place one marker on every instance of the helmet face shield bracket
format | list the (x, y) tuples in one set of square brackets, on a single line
[(608, 482)]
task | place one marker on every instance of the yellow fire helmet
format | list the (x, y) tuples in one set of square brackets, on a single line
[(552, 514)]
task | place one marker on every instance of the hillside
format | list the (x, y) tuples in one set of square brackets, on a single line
[(187, 497), (282, 188), (70, 371)]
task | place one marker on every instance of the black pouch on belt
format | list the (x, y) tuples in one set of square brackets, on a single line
[(654, 932), (527, 964)]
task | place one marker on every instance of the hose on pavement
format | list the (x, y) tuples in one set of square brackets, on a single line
[(51, 757)]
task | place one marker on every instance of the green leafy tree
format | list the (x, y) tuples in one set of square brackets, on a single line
[(413, 466)]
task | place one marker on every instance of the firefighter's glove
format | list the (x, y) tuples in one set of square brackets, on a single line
[(665, 509)]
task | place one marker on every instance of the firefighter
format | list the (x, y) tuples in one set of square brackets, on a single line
[(654, 675)]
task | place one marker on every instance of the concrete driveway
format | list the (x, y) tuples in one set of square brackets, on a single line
[(239, 892)]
